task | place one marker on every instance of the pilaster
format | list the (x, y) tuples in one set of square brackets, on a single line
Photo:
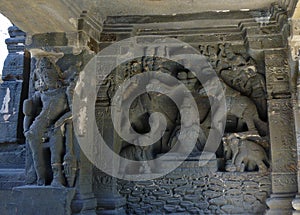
[(282, 134)]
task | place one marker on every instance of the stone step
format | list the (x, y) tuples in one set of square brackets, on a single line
[(12, 157), (10, 178), (7, 202)]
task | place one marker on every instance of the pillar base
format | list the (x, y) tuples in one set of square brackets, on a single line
[(43, 200), (296, 205), (111, 204), (280, 204)]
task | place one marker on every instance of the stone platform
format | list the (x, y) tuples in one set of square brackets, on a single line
[(46, 200)]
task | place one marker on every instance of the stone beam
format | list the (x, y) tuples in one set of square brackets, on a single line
[(41, 16)]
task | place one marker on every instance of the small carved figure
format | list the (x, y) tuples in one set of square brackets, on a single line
[(142, 150), (136, 153), (244, 154), (189, 130)]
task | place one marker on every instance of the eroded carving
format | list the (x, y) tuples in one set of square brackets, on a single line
[(240, 72), (243, 154), (48, 123)]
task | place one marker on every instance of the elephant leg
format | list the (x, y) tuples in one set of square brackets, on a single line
[(240, 167), (250, 124), (251, 165), (261, 166)]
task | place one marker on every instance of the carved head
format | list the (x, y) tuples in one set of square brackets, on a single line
[(48, 73)]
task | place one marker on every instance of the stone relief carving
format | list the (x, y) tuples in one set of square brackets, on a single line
[(48, 123), (138, 152), (240, 72), (191, 129), (242, 154), (244, 109), (245, 94)]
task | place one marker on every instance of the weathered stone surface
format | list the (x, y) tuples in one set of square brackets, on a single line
[(11, 95), (12, 156), (10, 100), (10, 178), (66, 13), (214, 193), (31, 200), (191, 188)]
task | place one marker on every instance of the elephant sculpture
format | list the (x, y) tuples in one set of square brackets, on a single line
[(244, 154)]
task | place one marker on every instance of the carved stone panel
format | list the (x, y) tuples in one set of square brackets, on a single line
[(277, 74), (283, 145)]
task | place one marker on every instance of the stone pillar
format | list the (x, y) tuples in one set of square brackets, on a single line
[(109, 201), (282, 133), (294, 42), (296, 102), (13, 89)]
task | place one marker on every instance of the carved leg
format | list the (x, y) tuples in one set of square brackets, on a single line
[(70, 163), (35, 144), (238, 163), (250, 124), (234, 158), (57, 150), (262, 166), (251, 165)]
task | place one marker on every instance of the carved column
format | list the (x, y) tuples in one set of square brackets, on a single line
[(296, 103), (109, 201), (294, 42), (282, 134)]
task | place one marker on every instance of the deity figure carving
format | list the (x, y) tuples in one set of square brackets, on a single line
[(48, 122), (243, 154), (189, 130), (228, 59), (142, 150), (250, 83), (136, 153)]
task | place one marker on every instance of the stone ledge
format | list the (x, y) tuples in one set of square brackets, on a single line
[(10, 178), (36, 200)]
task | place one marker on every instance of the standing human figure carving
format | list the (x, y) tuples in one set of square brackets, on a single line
[(39, 125)]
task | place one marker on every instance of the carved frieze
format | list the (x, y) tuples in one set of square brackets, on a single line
[(277, 74), (284, 182), (282, 135)]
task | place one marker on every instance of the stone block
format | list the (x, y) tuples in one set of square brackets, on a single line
[(10, 99), (47, 200), (13, 66)]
